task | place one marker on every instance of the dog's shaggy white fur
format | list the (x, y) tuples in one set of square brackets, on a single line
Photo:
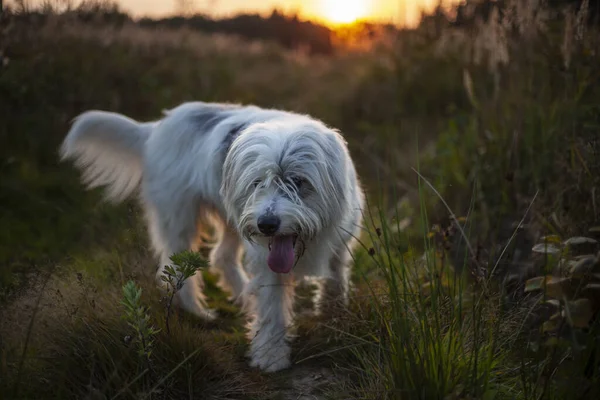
[(279, 185)]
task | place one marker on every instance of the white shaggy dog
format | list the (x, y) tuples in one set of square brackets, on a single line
[(279, 185)]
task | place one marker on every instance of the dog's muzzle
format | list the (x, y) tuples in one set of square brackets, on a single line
[(282, 255)]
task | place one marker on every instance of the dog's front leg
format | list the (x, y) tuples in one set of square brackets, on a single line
[(273, 296)]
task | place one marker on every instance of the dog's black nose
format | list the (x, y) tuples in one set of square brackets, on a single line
[(268, 224)]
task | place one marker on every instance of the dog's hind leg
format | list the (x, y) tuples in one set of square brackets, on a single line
[(225, 260), (332, 291), (172, 230), (336, 288)]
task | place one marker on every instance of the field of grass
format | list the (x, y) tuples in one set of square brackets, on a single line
[(478, 149)]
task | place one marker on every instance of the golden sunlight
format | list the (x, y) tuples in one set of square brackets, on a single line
[(345, 11)]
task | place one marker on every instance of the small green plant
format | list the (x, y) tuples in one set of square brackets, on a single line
[(185, 265), (572, 290), (138, 318)]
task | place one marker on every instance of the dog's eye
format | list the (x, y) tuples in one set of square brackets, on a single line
[(256, 182), (297, 182)]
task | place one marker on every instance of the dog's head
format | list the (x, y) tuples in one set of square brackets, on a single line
[(284, 181)]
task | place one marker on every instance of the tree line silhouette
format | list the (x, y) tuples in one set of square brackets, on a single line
[(287, 30)]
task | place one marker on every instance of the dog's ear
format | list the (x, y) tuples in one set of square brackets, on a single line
[(336, 161), (233, 164)]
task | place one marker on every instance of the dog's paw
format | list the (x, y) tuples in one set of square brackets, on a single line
[(205, 314), (236, 300), (208, 314), (271, 359), (197, 307)]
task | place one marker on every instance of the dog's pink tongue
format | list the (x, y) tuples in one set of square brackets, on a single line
[(281, 256)]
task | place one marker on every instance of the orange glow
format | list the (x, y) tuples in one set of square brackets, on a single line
[(345, 11), (334, 12)]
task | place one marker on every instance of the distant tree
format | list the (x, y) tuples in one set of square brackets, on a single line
[(22, 5), (185, 7)]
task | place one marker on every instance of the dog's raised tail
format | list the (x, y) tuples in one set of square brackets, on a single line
[(108, 148)]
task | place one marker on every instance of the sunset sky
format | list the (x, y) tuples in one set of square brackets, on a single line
[(332, 11)]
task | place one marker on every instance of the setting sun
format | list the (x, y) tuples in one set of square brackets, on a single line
[(345, 11)]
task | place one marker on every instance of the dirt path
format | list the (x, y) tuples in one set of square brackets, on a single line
[(309, 383), (57, 300)]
